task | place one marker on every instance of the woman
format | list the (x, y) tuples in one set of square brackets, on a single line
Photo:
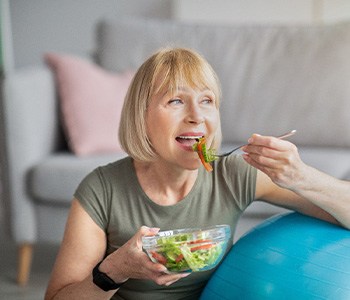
[(172, 101)]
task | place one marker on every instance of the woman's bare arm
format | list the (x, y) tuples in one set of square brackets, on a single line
[(285, 180), (83, 246)]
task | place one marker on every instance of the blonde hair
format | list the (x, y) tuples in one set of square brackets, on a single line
[(169, 68)]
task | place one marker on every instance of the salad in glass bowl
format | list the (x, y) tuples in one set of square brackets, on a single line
[(188, 250)]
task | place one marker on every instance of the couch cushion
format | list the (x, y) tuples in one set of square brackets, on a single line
[(275, 78), (56, 178), (91, 101), (333, 161)]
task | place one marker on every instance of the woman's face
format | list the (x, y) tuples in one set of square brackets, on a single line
[(174, 122)]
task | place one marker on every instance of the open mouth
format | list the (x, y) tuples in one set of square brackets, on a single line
[(188, 140)]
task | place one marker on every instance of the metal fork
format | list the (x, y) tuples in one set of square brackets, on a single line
[(285, 135)]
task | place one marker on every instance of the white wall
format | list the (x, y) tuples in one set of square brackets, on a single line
[(262, 11), (335, 10), (68, 25)]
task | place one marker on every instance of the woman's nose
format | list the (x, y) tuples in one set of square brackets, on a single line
[(195, 114)]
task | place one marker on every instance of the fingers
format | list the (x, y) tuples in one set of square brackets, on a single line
[(279, 159), (130, 261), (168, 279), (157, 272), (269, 147), (262, 152), (268, 142), (148, 231), (144, 268), (154, 267), (267, 157), (144, 231)]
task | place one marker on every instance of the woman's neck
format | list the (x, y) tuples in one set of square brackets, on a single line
[(163, 185)]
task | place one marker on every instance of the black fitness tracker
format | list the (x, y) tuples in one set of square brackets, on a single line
[(103, 281)]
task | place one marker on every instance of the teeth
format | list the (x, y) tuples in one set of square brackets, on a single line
[(190, 137)]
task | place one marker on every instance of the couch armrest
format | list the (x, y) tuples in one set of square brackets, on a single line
[(31, 133)]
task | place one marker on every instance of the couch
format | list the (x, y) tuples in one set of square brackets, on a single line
[(274, 78)]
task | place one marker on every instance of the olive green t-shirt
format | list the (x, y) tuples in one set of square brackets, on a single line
[(114, 199)]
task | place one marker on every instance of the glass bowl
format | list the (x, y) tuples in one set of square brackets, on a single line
[(188, 250)]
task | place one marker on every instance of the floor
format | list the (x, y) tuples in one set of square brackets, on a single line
[(44, 256), (42, 263)]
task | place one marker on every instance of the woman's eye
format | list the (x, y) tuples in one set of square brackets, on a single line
[(175, 101), (207, 101)]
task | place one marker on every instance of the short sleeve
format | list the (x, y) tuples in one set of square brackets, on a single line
[(239, 178), (91, 194)]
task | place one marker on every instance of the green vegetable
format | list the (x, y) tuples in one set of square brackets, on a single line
[(180, 253), (208, 154)]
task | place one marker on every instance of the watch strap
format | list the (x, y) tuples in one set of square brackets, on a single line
[(103, 281)]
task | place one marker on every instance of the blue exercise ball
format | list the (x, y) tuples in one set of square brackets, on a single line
[(288, 256)]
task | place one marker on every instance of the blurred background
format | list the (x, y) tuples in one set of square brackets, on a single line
[(31, 27), (67, 26)]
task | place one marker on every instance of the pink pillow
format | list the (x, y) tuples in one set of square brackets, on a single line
[(91, 100)]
